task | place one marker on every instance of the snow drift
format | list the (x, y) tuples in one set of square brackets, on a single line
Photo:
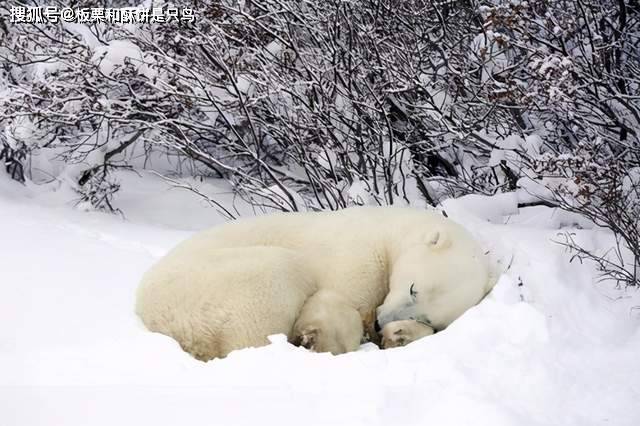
[(549, 345)]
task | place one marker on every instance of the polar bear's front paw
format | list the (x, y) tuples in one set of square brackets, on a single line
[(401, 333), (394, 339), (307, 338)]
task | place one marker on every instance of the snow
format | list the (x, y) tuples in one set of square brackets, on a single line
[(243, 84), (116, 53), (84, 31), (274, 48), (18, 132), (547, 346), (487, 49), (359, 192)]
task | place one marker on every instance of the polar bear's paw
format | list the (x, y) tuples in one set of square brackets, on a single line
[(393, 339), (401, 333), (307, 338)]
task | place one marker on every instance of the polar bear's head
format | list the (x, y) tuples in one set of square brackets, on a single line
[(419, 278)]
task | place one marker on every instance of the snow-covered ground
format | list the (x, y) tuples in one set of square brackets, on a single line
[(549, 346)]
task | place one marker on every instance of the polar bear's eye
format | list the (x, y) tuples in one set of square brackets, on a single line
[(413, 293)]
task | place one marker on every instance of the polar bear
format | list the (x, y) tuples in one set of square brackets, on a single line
[(318, 277)]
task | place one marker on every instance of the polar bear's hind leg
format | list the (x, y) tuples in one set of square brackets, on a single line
[(328, 324), (225, 299)]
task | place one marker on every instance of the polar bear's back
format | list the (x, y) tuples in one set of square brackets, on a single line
[(355, 225)]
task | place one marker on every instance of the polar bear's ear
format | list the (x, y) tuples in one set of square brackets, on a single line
[(437, 240)]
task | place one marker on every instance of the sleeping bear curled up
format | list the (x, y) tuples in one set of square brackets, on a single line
[(320, 278)]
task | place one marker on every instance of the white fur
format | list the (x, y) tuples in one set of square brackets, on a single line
[(232, 286)]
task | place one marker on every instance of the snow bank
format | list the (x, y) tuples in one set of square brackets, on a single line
[(547, 346)]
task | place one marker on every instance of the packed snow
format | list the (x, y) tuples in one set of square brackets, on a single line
[(549, 346)]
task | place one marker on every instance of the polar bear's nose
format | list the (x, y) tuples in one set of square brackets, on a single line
[(376, 326)]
